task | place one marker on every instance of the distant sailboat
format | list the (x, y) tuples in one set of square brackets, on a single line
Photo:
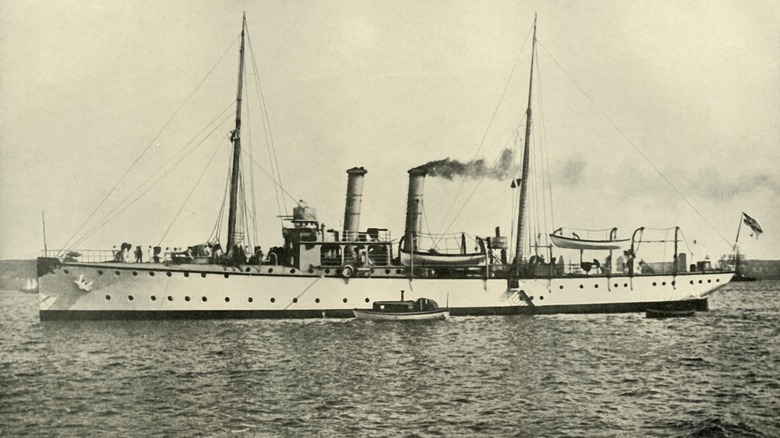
[(31, 287)]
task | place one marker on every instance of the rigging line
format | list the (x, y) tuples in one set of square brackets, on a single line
[(535, 183), (483, 177), (543, 139), (636, 148), (267, 121), (513, 197), (197, 87), (470, 195), (151, 186), (200, 177), (268, 138), (252, 174), (158, 171), (490, 124), (244, 213), (220, 216), (274, 181)]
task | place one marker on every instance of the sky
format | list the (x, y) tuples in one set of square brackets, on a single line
[(648, 113)]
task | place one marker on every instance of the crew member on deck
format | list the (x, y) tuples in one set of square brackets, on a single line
[(139, 254)]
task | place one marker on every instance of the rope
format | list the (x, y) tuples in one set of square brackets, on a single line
[(200, 177), (490, 124), (272, 157), (636, 148), (154, 139), (469, 197), (251, 173), (161, 175), (218, 225)]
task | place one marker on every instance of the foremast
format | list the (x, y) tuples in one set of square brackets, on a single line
[(235, 137), (525, 180)]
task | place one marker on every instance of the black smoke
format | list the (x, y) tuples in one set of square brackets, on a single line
[(474, 169)]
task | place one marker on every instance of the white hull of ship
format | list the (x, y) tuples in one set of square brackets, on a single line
[(148, 291)]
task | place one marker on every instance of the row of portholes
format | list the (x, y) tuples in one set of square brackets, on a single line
[(227, 299), (227, 275), (717, 280), (371, 271), (186, 274), (663, 283)]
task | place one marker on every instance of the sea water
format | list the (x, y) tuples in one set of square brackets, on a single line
[(714, 374)]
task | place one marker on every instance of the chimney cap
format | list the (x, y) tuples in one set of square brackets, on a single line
[(357, 171), (418, 171)]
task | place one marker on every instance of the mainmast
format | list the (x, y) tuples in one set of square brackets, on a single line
[(521, 216), (235, 137)]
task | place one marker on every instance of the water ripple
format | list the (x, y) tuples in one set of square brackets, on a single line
[(563, 375)]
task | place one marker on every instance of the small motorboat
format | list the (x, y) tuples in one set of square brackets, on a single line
[(424, 309), (652, 313)]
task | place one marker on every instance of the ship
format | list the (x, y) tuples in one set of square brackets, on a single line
[(327, 273)]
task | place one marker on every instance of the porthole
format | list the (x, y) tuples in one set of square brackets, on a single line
[(317, 300), (596, 286), (270, 270), (295, 300), (367, 300), (387, 271), (227, 299), (130, 297), (250, 299), (203, 274), (204, 299), (617, 285), (673, 283), (151, 273), (700, 281), (327, 271), (709, 281), (560, 287), (116, 272), (227, 275), (108, 297), (168, 273), (311, 271), (663, 283), (154, 298), (345, 300), (135, 274), (65, 271), (531, 298), (654, 284), (541, 297), (170, 298), (273, 300), (247, 270), (398, 271), (625, 284), (292, 271), (717, 280), (186, 298), (100, 272), (691, 281), (186, 274), (581, 286)]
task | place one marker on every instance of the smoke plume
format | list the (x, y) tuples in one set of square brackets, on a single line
[(474, 169)]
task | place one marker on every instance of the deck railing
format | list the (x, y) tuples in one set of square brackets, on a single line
[(81, 255)]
